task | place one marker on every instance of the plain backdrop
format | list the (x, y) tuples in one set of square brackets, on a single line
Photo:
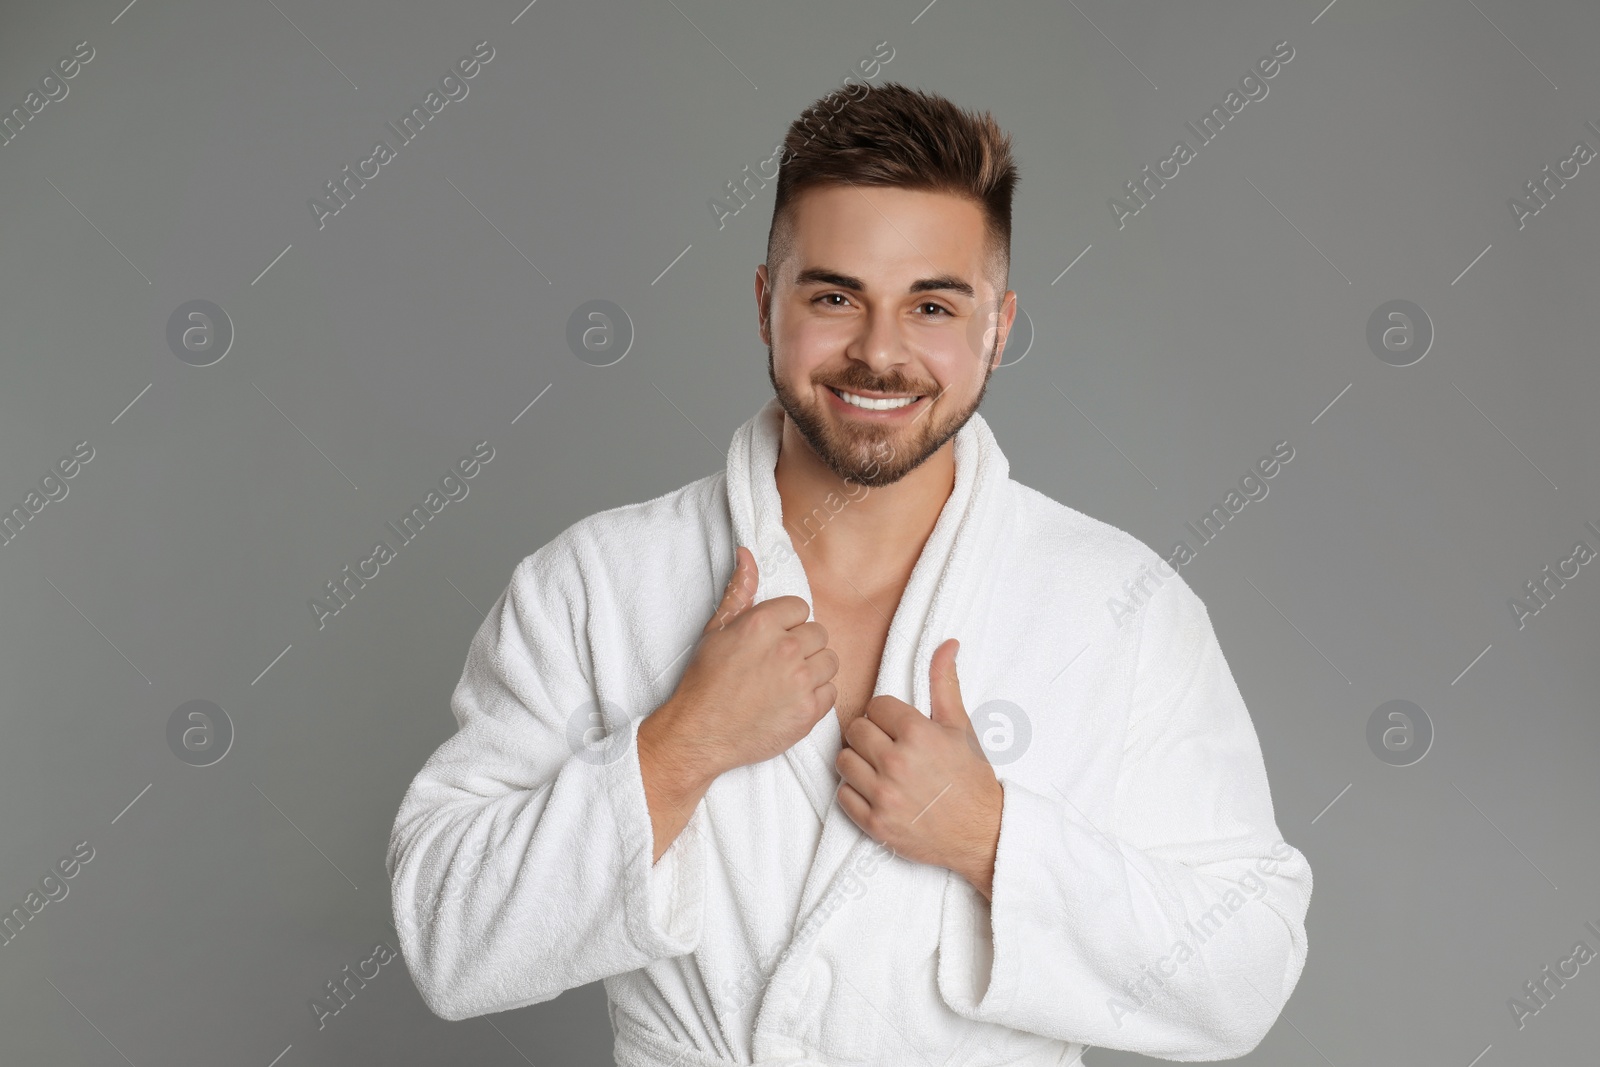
[(371, 353)]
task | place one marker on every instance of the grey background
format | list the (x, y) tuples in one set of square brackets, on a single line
[(1227, 316)]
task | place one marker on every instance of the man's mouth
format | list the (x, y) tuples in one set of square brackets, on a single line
[(871, 403)]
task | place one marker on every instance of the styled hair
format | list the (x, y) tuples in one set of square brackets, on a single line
[(891, 135)]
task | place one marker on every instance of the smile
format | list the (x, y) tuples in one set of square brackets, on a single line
[(867, 403)]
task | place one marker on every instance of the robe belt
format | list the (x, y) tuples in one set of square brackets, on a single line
[(638, 1047)]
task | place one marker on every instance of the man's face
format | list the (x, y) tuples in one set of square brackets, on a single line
[(886, 293)]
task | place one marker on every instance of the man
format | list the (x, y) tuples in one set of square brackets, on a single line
[(793, 842)]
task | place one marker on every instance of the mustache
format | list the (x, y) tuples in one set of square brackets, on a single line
[(893, 385)]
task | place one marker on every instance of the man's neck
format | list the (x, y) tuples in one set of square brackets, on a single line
[(845, 528)]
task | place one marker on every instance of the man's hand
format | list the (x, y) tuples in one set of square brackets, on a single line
[(760, 679), (923, 786), (758, 682)]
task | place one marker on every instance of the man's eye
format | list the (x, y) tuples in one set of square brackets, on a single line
[(826, 296), (937, 307)]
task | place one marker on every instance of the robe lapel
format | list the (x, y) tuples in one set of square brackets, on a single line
[(757, 513)]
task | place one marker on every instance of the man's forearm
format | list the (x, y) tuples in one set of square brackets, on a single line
[(674, 781), (977, 865)]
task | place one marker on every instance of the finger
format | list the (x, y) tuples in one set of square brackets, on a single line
[(853, 803), (739, 592), (821, 666), (890, 714), (812, 637), (945, 686), (857, 773), (788, 611), (868, 740)]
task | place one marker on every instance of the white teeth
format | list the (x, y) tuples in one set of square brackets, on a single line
[(871, 404)]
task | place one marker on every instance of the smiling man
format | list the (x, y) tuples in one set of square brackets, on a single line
[(714, 748)]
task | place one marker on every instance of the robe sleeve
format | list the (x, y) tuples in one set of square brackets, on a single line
[(520, 861), (1177, 930)]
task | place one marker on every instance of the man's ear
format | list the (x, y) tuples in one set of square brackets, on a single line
[(1008, 317), (763, 303)]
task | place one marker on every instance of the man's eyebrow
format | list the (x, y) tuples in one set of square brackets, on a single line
[(823, 276)]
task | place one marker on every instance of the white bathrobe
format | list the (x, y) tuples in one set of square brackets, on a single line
[(1143, 898)]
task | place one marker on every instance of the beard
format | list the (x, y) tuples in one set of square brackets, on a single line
[(870, 455)]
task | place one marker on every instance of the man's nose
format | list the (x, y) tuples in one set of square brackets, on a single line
[(881, 343)]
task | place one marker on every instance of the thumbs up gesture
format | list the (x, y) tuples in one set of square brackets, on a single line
[(759, 680), (922, 785)]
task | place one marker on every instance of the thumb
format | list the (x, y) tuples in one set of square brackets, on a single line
[(945, 687), (740, 591)]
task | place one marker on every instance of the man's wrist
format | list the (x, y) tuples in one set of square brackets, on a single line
[(686, 769)]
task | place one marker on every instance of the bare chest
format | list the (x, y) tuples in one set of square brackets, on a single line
[(857, 629)]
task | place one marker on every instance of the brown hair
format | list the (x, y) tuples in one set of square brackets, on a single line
[(892, 135)]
